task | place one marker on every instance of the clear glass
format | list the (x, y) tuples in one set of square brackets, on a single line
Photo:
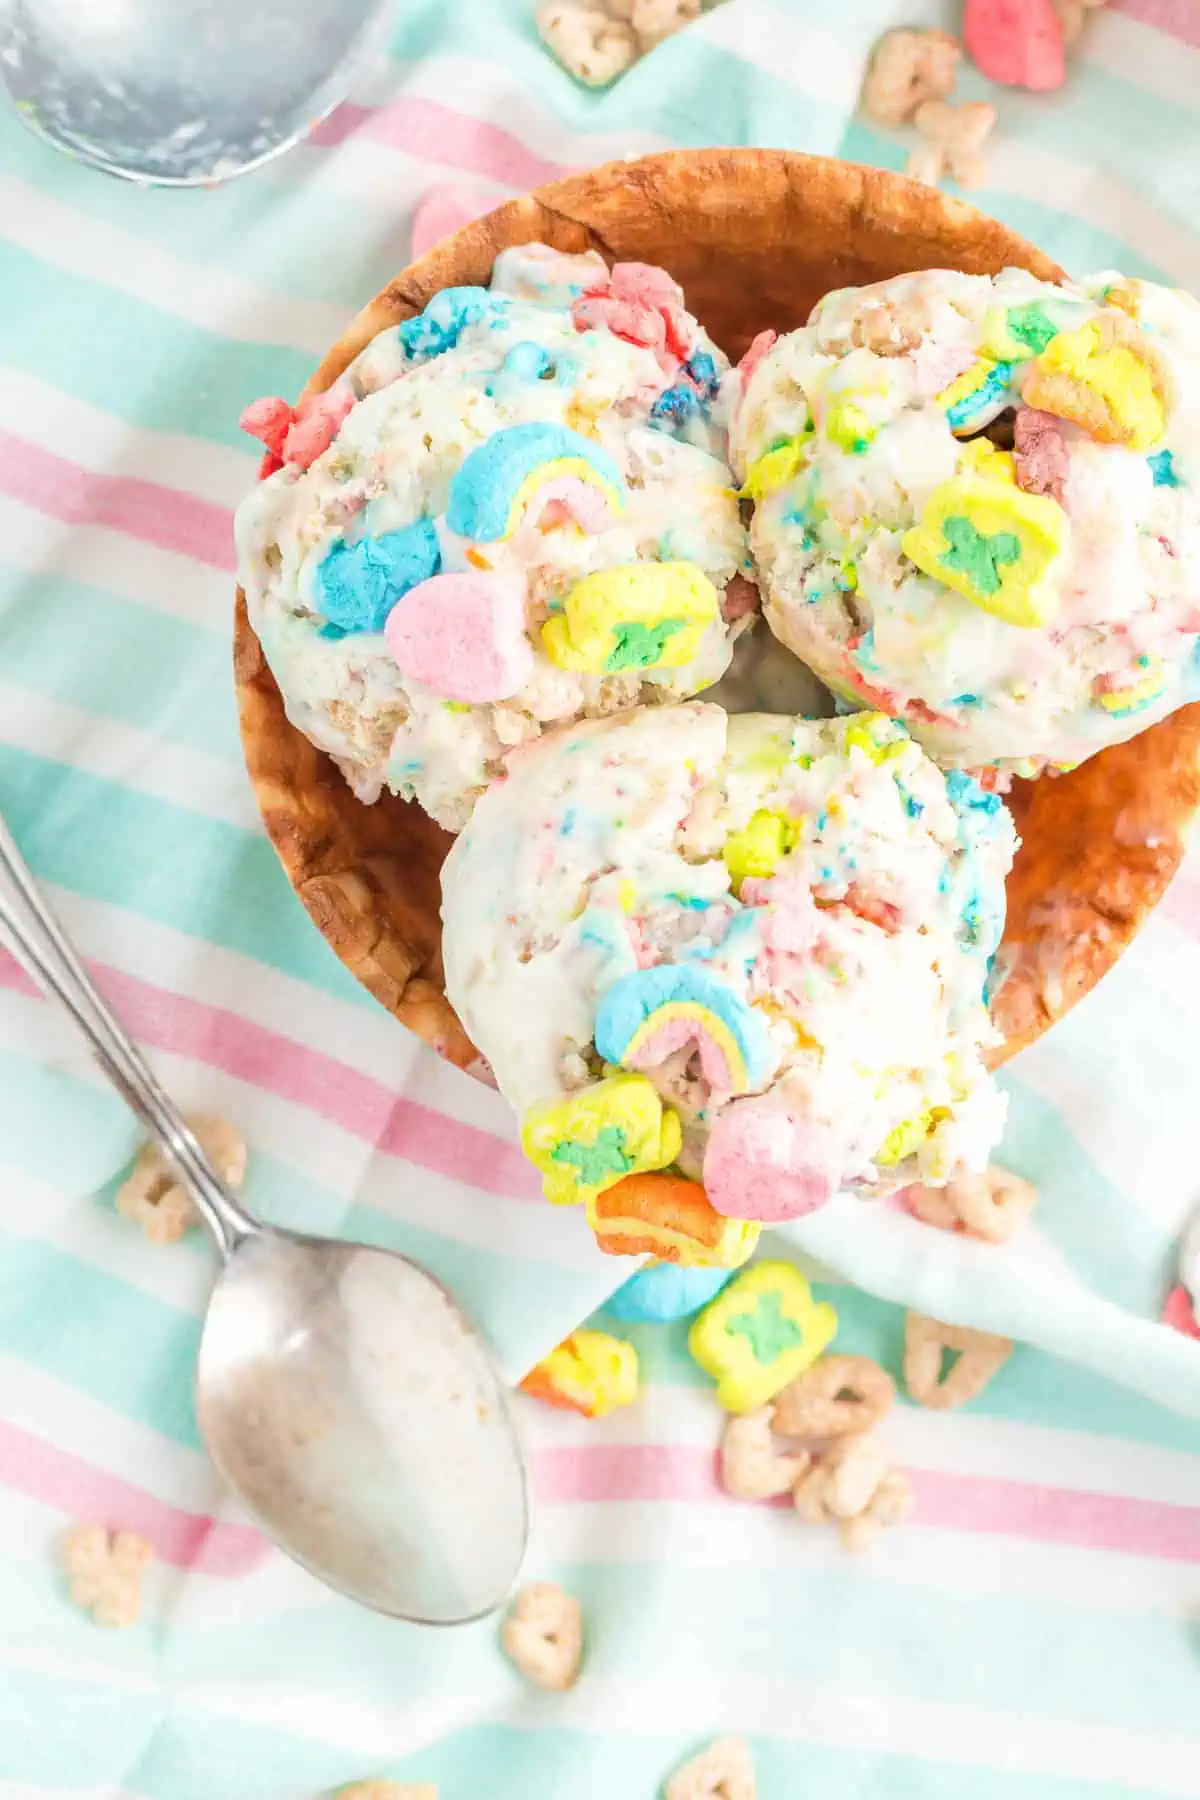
[(181, 91)]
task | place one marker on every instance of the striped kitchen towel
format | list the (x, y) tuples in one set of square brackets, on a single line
[(1032, 1630)]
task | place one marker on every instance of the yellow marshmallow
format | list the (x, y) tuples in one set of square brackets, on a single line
[(640, 615), (996, 546), (597, 1136)]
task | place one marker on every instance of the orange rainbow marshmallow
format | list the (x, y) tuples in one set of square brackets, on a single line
[(590, 1372), (671, 1218)]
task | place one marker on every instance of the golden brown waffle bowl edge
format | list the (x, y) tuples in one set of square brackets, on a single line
[(755, 237)]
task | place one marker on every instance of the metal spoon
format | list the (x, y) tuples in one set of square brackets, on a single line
[(182, 91), (341, 1391)]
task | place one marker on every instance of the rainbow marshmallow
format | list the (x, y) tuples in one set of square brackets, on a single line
[(648, 1015), (524, 464), (977, 396), (1149, 685)]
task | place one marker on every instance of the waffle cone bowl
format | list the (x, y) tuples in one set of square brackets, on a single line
[(755, 237)]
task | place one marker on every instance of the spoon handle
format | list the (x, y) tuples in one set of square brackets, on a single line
[(38, 941)]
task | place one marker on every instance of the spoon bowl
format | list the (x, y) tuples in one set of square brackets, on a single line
[(343, 1394), (351, 1405)]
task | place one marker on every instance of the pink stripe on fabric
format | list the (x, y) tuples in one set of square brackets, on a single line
[(446, 209), (94, 1497), (439, 134), (157, 515), (1177, 18), (356, 1102), (986, 1504), (617, 1472)]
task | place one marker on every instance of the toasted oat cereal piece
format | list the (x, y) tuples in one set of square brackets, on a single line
[(543, 1635), (853, 1483), (954, 138), (589, 44), (752, 1466), (891, 1502), (979, 1355), (724, 1771), (989, 1206), (656, 20), (906, 69), (153, 1194), (104, 1573), (388, 1790), (839, 1396)]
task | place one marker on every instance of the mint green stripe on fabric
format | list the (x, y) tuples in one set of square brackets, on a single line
[(510, 1298), (1117, 1248), (348, 1654), (899, 1641), (64, 1732), (710, 97), (100, 1336), (602, 1765), (1009, 1654), (201, 876), (142, 668), (264, 228), (172, 377)]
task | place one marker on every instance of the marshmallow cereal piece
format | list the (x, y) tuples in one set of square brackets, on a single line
[(590, 1372), (1041, 454), (993, 544), (649, 1015), (268, 420), (641, 616), (1096, 388), (752, 1465), (1018, 43), (153, 1195), (764, 1163), (542, 1635), (511, 434), (761, 1332), (669, 1217), (663, 1291), (1106, 378), (104, 1572), (723, 1771), (359, 583), (587, 1142), (510, 473), (774, 468), (976, 1357), (463, 636), (1180, 1312)]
